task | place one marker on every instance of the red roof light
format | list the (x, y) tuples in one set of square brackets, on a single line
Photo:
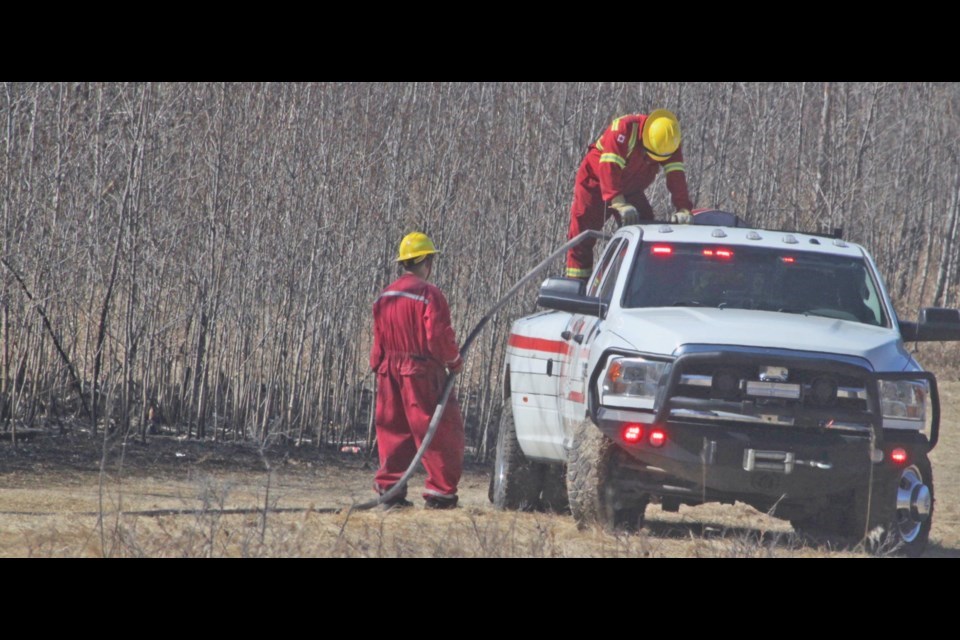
[(726, 254), (662, 250)]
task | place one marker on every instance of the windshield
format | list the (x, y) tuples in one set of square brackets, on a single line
[(754, 278)]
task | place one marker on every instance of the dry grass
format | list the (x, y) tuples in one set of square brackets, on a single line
[(945, 534), (192, 503)]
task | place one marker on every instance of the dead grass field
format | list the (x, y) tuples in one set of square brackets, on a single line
[(172, 498)]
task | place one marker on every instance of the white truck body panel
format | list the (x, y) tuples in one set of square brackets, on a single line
[(534, 349)]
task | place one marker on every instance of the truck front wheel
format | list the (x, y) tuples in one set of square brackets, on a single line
[(591, 488)]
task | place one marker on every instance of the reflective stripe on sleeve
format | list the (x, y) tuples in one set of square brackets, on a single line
[(614, 158), (404, 294), (673, 166)]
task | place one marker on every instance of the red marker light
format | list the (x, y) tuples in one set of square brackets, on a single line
[(658, 438), (788, 259), (898, 455), (726, 254), (632, 433), (662, 250)]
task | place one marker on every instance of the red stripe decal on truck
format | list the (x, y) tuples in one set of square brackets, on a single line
[(538, 344)]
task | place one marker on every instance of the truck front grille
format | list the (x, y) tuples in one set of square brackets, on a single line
[(778, 388)]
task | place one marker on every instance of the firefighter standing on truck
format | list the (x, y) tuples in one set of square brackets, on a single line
[(413, 347), (617, 170)]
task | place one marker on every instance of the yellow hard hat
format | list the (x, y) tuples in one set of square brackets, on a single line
[(415, 245), (661, 134)]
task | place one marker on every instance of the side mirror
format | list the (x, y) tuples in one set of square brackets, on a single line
[(935, 324), (566, 294)]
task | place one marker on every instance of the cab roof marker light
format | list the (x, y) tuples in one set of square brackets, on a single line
[(788, 259), (718, 253), (662, 250), (665, 228), (718, 233), (839, 243), (753, 235), (790, 239)]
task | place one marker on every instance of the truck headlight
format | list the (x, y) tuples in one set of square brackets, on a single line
[(904, 403), (631, 382)]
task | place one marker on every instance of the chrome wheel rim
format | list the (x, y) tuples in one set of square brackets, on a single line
[(914, 504)]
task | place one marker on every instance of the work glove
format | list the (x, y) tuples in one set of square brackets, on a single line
[(681, 217), (628, 212)]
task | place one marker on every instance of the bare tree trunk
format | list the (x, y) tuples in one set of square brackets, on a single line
[(798, 172), (948, 255), (5, 414), (822, 211)]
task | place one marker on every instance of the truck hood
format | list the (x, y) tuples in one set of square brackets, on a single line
[(662, 331)]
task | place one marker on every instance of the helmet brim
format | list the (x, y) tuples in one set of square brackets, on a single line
[(413, 256)]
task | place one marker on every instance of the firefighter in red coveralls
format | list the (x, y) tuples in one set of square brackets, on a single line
[(413, 347), (617, 170)]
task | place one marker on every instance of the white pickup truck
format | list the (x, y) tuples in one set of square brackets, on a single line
[(712, 362)]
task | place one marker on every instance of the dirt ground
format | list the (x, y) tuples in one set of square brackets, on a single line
[(170, 497)]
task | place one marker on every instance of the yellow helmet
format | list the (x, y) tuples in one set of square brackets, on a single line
[(661, 134), (415, 245)]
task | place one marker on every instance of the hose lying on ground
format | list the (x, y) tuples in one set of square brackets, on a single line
[(448, 385)]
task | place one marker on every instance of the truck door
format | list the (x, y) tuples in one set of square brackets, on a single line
[(579, 334)]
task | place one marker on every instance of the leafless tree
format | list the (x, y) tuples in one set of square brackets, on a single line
[(204, 257)]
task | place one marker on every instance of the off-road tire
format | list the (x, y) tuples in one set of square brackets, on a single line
[(589, 463), (593, 466), (516, 481)]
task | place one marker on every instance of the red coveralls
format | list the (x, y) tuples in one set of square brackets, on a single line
[(617, 164), (413, 341)]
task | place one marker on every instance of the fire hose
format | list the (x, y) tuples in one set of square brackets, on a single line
[(448, 385)]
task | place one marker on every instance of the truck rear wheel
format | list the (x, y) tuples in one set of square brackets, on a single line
[(907, 531), (516, 481), (901, 514)]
